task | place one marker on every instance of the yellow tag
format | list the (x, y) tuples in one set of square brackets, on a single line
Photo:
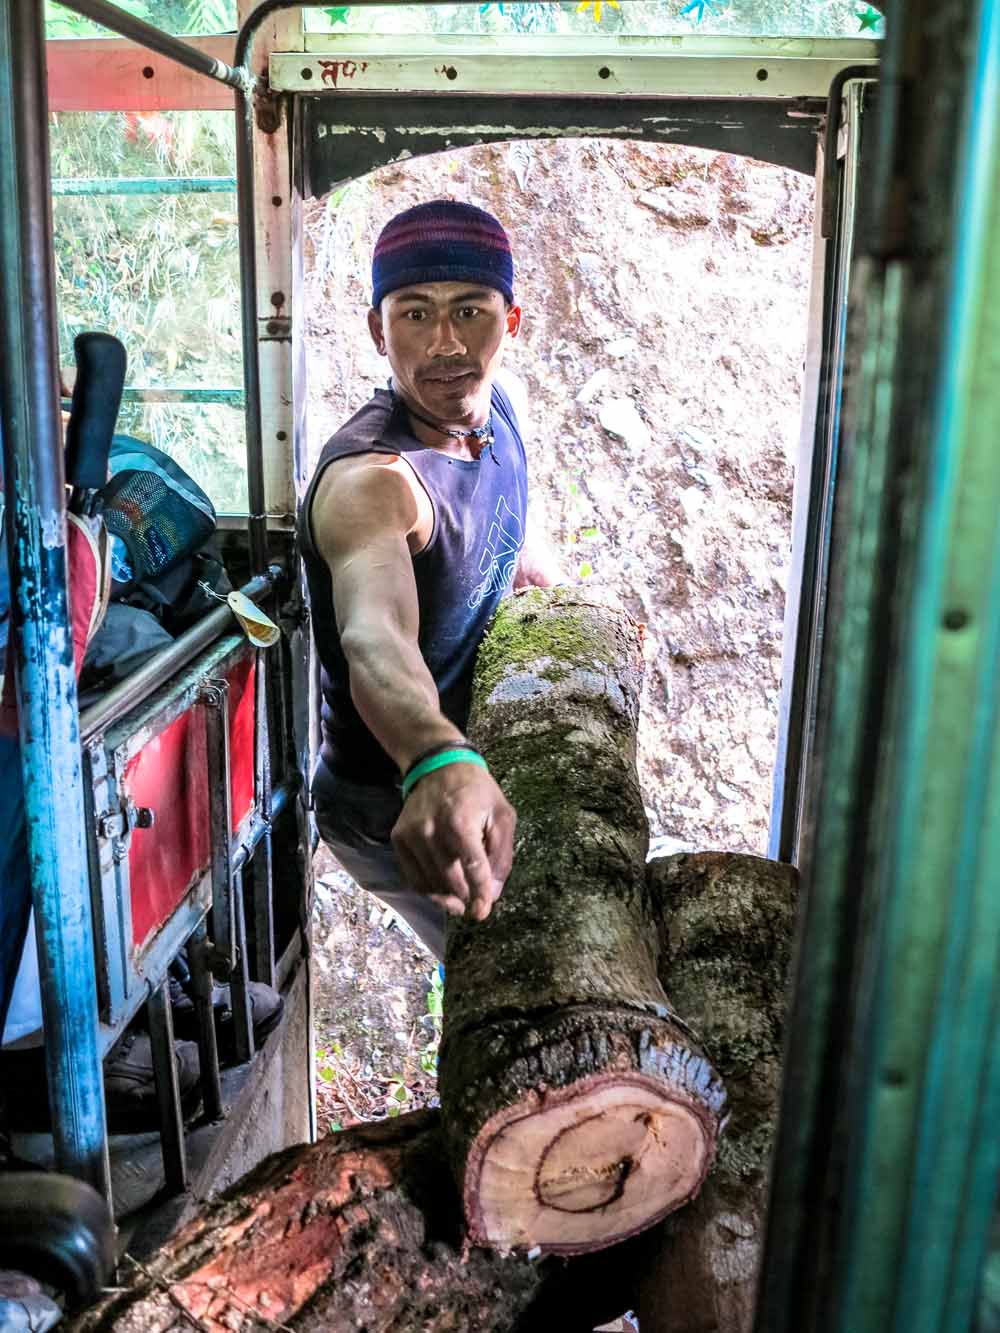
[(256, 626)]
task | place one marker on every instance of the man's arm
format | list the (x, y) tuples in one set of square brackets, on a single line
[(454, 838)]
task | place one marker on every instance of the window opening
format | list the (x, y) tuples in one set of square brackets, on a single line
[(146, 248), (665, 293)]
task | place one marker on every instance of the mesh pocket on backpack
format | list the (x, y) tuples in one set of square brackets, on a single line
[(158, 525)]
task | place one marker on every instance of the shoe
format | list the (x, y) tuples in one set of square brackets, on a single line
[(129, 1085), (266, 1008)]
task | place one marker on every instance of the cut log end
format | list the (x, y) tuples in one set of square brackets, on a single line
[(585, 1167)]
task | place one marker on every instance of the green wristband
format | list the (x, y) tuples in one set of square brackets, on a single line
[(456, 756)]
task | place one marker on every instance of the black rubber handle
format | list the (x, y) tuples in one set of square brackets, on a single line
[(97, 395)]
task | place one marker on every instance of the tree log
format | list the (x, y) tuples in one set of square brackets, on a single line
[(359, 1233), (726, 925), (579, 1109), (364, 1230)]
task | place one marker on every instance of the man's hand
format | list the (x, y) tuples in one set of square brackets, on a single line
[(455, 839)]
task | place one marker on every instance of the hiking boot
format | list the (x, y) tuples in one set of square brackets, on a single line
[(130, 1086), (266, 1007)]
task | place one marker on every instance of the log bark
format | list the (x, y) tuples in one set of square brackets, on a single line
[(579, 1109), (726, 926), (359, 1233)]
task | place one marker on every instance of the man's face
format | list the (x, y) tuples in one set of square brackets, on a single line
[(445, 342)]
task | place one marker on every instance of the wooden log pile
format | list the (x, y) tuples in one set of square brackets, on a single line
[(593, 1027)]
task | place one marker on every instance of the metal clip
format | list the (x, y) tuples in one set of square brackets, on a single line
[(118, 825)]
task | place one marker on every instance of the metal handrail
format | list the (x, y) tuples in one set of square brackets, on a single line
[(154, 673), (41, 641), (87, 186)]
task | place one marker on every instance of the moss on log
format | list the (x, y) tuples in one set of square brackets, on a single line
[(578, 1109)]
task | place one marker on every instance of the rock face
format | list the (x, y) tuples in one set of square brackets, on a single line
[(664, 292)]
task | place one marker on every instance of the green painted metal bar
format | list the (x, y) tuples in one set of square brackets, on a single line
[(40, 638), (928, 1156), (792, 1293), (886, 1166), (231, 397), (134, 185)]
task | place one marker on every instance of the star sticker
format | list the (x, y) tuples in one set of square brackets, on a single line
[(699, 5), (871, 18), (597, 6), (338, 13)]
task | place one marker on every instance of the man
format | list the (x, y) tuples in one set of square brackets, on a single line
[(412, 530)]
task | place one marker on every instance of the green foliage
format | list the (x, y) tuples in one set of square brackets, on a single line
[(62, 22), (435, 1009), (176, 16), (161, 272), (576, 517)]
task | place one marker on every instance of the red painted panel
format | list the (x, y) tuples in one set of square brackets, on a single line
[(241, 738), (109, 74), (170, 775)]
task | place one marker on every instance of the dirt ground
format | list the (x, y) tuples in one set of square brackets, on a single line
[(665, 296), (373, 979)]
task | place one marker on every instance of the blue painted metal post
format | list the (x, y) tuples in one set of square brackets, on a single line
[(41, 638)]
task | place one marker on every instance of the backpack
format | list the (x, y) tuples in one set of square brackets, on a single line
[(162, 528)]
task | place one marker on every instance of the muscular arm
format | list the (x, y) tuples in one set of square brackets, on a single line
[(362, 517), (454, 838)]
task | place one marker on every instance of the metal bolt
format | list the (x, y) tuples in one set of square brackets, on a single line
[(109, 826)]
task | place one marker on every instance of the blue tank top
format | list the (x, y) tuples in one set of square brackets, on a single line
[(461, 574)]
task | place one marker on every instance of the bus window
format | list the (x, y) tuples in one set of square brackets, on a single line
[(146, 248)]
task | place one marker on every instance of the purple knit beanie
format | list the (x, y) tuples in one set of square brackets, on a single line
[(442, 241)]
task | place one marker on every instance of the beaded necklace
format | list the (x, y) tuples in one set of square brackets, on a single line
[(484, 434)]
